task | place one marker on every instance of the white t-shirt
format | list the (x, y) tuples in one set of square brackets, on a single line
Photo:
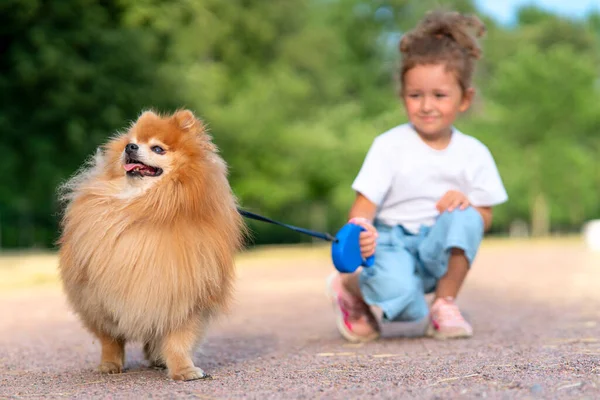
[(405, 177)]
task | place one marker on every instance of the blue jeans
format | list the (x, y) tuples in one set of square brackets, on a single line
[(408, 266)]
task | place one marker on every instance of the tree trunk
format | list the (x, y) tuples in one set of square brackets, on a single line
[(540, 216), (318, 218)]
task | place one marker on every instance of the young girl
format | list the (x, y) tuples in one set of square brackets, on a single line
[(424, 193)]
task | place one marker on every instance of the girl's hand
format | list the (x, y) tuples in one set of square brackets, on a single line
[(452, 200), (367, 238)]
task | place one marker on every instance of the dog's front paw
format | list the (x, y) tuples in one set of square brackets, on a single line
[(158, 365), (189, 374), (108, 367)]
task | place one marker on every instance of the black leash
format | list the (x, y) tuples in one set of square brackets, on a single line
[(324, 236)]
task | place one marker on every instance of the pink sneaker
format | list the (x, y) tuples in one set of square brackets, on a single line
[(354, 318), (446, 321)]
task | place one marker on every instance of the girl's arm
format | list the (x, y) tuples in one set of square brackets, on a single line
[(486, 214), (363, 208), (362, 213)]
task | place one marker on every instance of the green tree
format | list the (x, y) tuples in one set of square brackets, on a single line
[(70, 75), (293, 91), (548, 117)]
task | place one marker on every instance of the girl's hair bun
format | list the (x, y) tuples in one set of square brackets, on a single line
[(444, 37), (462, 29)]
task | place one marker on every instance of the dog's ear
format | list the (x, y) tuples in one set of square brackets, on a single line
[(146, 114), (188, 121)]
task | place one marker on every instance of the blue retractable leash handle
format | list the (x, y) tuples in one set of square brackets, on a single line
[(345, 248), (345, 252)]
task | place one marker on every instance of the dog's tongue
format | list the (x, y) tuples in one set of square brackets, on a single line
[(129, 167)]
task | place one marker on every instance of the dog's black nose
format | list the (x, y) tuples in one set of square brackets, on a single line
[(131, 147)]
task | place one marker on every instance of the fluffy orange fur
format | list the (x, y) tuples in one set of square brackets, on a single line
[(151, 258)]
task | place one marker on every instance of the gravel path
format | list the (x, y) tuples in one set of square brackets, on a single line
[(535, 310)]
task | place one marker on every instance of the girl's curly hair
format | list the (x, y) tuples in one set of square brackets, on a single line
[(448, 38)]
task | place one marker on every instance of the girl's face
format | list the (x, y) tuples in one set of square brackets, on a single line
[(433, 99)]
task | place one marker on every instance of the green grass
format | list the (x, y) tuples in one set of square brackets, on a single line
[(40, 269), (25, 270)]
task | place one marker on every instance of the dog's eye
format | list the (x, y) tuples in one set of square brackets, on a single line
[(158, 150)]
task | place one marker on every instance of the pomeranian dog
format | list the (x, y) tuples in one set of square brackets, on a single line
[(148, 241)]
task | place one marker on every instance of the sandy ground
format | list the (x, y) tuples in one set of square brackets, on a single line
[(534, 307)]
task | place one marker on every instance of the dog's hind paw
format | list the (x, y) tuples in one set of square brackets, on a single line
[(189, 374), (107, 367), (158, 365)]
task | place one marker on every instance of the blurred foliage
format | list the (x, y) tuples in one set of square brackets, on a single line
[(293, 91)]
